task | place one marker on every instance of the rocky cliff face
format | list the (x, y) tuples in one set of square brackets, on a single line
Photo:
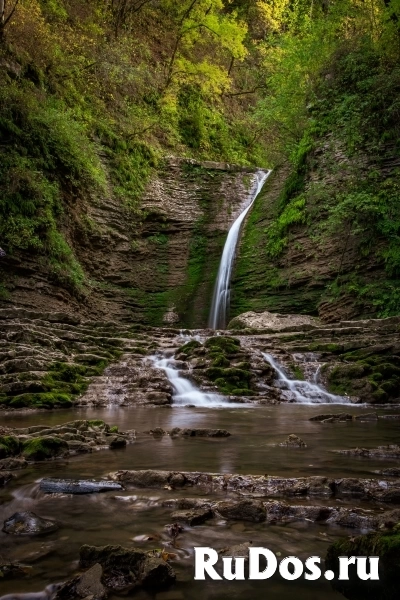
[(155, 267), (318, 266)]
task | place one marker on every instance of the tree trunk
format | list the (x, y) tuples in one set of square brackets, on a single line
[(2, 18)]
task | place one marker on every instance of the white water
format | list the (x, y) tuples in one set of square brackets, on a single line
[(303, 391), (221, 296), (185, 392)]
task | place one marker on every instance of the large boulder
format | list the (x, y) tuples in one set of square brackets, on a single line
[(28, 523)]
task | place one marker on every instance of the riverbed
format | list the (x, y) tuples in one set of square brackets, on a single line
[(131, 516)]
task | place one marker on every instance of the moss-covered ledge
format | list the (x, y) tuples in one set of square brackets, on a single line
[(385, 545)]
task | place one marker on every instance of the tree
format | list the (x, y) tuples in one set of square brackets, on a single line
[(5, 16), (122, 10), (204, 38)]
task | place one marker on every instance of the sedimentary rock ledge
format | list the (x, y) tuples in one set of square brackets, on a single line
[(264, 486)]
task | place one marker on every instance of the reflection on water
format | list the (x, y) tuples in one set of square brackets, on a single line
[(106, 518)]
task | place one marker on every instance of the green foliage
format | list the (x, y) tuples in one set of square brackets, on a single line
[(293, 213)]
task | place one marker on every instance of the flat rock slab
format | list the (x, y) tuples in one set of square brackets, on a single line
[(28, 523), (78, 486), (13, 464), (265, 486), (392, 451), (273, 321), (187, 432), (332, 417), (390, 472)]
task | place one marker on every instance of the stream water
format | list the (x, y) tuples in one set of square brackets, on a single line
[(128, 517), (184, 391)]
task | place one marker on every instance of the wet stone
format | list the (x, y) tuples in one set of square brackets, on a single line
[(244, 510), (77, 486), (193, 517), (117, 442), (28, 523), (331, 418), (293, 441), (5, 477), (187, 432), (390, 472)]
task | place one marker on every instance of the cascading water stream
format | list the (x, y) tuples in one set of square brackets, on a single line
[(303, 391), (184, 391), (221, 296)]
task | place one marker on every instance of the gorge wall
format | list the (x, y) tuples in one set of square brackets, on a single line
[(157, 269), (323, 236)]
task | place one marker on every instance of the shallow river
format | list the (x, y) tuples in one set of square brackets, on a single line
[(125, 517)]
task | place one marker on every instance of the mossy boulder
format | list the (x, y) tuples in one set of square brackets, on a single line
[(231, 380), (373, 377), (189, 347), (384, 544), (43, 448), (9, 446), (224, 344)]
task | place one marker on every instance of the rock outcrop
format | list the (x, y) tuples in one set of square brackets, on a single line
[(42, 442), (267, 486), (157, 268)]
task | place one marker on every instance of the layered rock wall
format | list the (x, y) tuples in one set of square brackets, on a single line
[(157, 266)]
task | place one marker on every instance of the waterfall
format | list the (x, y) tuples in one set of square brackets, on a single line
[(304, 391), (221, 296)]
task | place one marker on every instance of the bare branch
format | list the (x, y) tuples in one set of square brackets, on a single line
[(253, 91)]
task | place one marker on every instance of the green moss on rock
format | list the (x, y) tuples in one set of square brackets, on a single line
[(43, 448), (373, 377), (189, 347), (384, 544), (9, 446), (231, 379), (40, 400)]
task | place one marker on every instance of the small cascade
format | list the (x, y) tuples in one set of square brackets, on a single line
[(185, 392), (221, 297), (303, 391)]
